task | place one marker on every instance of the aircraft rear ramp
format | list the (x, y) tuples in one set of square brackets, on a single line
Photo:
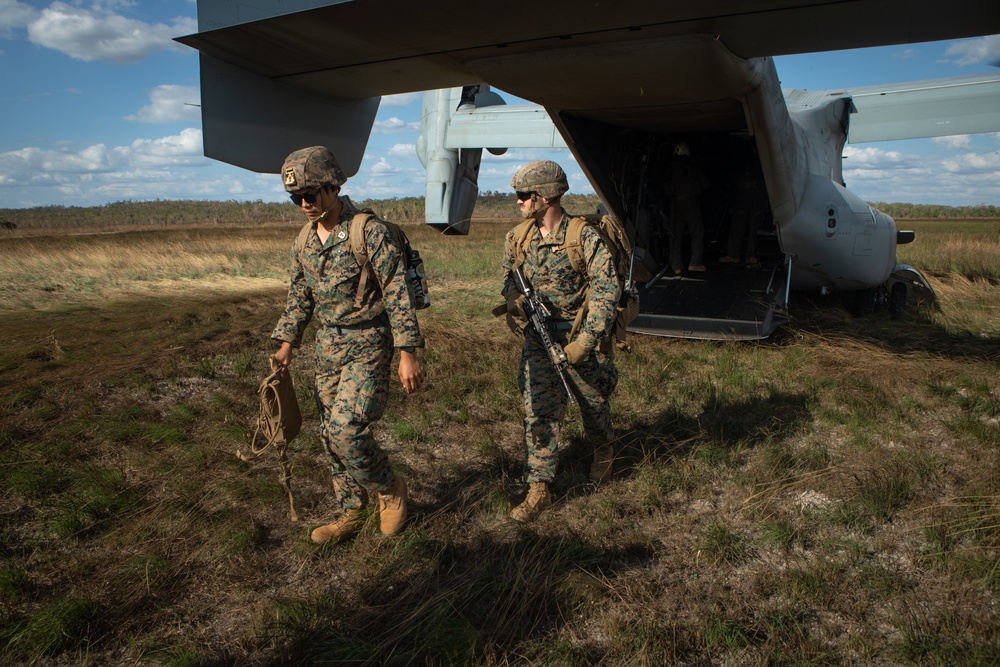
[(727, 302)]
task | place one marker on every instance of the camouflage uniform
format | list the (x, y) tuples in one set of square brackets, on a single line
[(563, 289), (354, 348)]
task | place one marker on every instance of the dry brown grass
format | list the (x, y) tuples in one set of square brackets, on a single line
[(829, 496)]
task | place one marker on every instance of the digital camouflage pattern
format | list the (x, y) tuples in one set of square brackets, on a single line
[(542, 176), (352, 388), (563, 289), (325, 278), (352, 365), (310, 168), (592, 383)]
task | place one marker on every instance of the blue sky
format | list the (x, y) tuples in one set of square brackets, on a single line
[(98, 105)]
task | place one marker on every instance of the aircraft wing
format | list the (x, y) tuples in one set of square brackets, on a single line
[(279, 74), (933, 108), (888, 112), (365, 48), (501, 126)]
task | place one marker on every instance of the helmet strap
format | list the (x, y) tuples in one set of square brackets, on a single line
[(332, 206), (545, 203)]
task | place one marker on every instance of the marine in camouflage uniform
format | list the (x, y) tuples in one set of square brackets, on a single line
[(354, 346), (591, 375)]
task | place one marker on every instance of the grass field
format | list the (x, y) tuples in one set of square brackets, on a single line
[(829, 496)]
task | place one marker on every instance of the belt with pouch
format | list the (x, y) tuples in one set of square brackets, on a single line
[(360, 326)]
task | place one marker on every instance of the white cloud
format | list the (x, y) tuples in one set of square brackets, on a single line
[(13, 15), (906, 54), (972, 51), (495, 172), (873, 160), (97, 34), (973, 163), (379, 188), (893, 176), (170, 104), (169, 167), (953, 142), (382, 166), (403, 150), (33, 165), (394, 125)]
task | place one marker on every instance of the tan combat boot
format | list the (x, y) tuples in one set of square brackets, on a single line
[(392, 508), (603, 465), (538, 499), (342, 528)]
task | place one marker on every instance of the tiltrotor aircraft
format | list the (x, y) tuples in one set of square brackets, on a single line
[(630, 88)]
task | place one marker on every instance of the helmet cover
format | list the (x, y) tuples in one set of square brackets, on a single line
[(542, 176), (312, 167)]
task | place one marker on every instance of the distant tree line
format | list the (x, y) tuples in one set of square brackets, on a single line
[(937, 211), (150, 213), (489, 206)]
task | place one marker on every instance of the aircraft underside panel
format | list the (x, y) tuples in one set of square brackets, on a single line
[(254, 122), (367, 48)]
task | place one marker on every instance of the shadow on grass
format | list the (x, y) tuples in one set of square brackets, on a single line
[(722, 430), (913, 331)]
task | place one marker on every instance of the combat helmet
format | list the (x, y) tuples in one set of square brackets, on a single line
[(311, 167), (682, 149), (542, 176)]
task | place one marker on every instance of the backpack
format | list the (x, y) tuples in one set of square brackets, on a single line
[(416, 281), (620, 247)]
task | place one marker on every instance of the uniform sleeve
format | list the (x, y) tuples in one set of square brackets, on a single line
[(604, 290), (299, 306), (390, 271), (507, 264)]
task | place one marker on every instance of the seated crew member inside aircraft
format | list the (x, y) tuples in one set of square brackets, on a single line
[(356, 339), (686, 181), (582, 311)]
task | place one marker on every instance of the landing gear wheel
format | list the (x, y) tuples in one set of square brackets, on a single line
[(897, 299)]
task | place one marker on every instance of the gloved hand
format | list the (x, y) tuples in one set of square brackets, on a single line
[(515, 306), (575, 353)]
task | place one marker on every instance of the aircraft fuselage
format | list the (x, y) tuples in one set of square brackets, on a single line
[(731, 112)]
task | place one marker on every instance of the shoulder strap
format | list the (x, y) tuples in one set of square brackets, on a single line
[(356, 237), (574, 245), (303, 237), (522, 239), (359, 248)]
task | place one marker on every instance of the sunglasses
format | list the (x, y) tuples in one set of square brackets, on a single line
[(524, 196), (307, 197)]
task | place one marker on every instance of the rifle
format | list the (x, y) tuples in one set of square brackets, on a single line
[(537, 315)]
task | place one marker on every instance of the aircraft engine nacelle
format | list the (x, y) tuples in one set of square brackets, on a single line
[(452, 174), (837, 241)]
